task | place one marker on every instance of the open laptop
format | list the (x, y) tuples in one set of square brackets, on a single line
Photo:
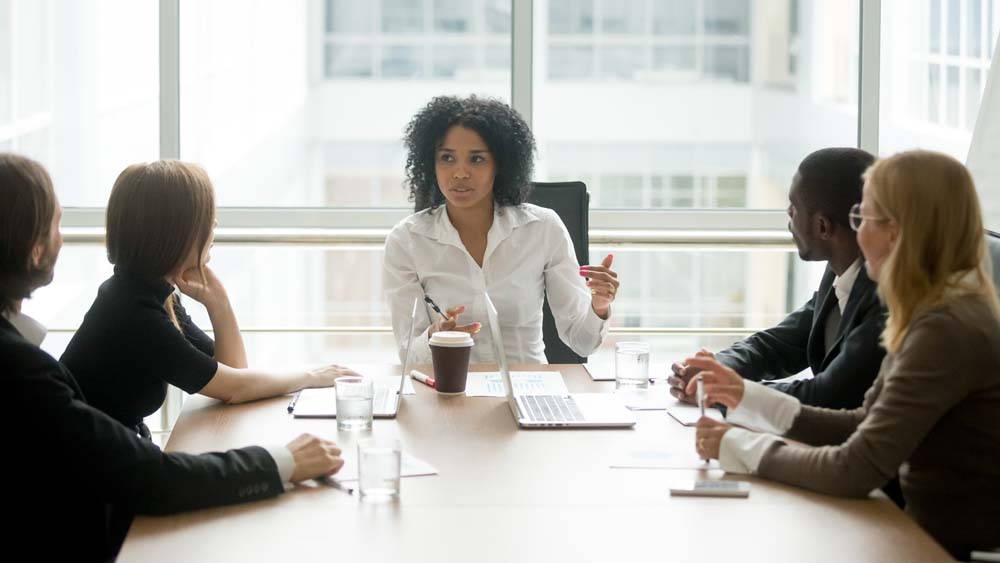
[(322, 403), (574, 410)]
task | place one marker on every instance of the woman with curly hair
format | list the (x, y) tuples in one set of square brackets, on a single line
[(468, 169)]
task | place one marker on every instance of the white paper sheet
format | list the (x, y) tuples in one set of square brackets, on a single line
[(661, 459), (409, 467), (688, 415), (490, 383), (600, 372), (656, 398)]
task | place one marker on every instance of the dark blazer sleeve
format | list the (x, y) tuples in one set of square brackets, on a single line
[(842, 385), (774, 353), (65, 436)]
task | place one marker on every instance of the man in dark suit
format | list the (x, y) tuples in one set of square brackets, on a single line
[(74, 476), (836, 333)]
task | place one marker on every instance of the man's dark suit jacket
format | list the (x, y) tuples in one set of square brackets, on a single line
[(74, 476), (840, 376)]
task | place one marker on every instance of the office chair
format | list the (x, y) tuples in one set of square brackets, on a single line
[(993, 248), (571, 202)]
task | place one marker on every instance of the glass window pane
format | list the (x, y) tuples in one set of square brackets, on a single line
[(974, 35), (349, 16), (934, 94), (571, 16), (731, 191), (621, 62), (623, 17), (973, 93), (450, 61), (402, 61), (951, 97), (498, 16), (954, 26), (498, 57), (402, 16), (674, 17), (79, 90), (454, 16), (571, 62), (275, 131), (348, 60), (934, 26), (727, 17), (673, 58), (726, 62)]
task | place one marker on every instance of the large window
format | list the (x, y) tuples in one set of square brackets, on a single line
[(684, 118), (691, 103), (935, 59), (303, 102), (79, 89)]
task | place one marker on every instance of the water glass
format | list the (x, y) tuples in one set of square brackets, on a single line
[(354, 403), (631, 365), (379, 461)]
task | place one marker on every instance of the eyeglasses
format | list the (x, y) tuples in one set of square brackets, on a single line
[(856, 218)]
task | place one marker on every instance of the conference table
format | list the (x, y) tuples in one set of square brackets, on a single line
[(507, 494)]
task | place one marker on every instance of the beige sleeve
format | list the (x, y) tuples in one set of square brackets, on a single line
[(925, 380)]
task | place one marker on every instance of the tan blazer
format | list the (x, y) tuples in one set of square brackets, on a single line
[(932, 415)]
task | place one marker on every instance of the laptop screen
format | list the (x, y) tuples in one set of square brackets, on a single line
[(498, 351), (409, 340)]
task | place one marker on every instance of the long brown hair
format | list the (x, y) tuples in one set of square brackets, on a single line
[(941, 250), (158, 213), (27, 205)]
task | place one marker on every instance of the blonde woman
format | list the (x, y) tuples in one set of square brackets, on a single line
[(933, 413), (136, 338)]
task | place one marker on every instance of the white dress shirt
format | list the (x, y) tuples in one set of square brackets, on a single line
[(762, 408), (34, 332), (528, 254), (844, 283)]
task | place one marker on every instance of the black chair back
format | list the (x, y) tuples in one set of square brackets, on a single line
[(572, 202), (993, 248)]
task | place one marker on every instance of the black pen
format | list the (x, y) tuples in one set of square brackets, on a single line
[(435, 307), (331, 482), (291, 404)]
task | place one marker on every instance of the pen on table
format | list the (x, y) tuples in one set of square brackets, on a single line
[(435, 307), (423, 378), (291, 404), (701, 397), (701, 402), (331, 482)]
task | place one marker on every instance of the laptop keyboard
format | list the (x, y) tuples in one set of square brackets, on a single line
[(551, 408)]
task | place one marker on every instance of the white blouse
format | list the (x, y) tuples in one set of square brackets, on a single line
[(528, 253)]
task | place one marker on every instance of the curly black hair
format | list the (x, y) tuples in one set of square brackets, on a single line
[(506, 134)]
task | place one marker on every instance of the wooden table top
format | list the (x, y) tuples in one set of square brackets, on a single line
[(504, 494)]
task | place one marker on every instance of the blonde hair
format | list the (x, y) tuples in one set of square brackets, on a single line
[(157, 213), (941, 249)]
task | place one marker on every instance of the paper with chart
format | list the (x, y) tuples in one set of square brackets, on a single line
[(409, 467), (490, 383)]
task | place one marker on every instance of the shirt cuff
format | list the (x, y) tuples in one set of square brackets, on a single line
[(597, 325), (740, 451), (764, 409), (282, 457)]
